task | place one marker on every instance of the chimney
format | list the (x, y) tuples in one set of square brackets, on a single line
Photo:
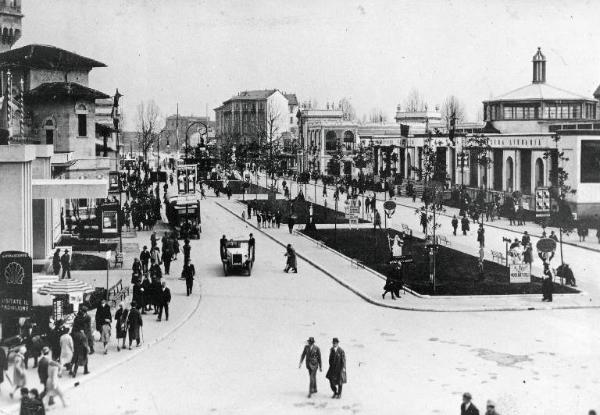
[(539, 67)]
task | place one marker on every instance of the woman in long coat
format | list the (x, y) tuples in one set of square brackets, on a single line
[(134, 324), (19, 373), (121, 324), (66, 349), (56, 262)]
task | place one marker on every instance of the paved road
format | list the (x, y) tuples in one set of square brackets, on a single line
[(239, 353)]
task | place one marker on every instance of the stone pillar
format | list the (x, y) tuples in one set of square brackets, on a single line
[(517, 167), (16, 230), (322, 155)]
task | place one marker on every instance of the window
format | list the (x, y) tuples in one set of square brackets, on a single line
[(82, 125), (508, 113), (81, 111), (518, 113)]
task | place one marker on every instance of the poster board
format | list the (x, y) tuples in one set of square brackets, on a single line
[(16, 271), (520, 274)]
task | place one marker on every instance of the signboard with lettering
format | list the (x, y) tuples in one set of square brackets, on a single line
[(520, 274), (15, 283)]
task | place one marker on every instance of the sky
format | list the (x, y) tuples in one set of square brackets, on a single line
[(199, 53)]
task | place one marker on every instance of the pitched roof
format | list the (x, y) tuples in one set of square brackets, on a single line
[(56, 90), (252, 95), (539, 92), (46, 57), (292, 100), (597, 92)]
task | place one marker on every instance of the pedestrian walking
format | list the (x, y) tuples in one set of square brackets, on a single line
[(423, 221), (65, 262), (66, 349), (121, 325), (167, 256), (83, 321), (391, 287), (134, 325), (312, 354), (188, 274), (464, 224), (547, 284), (454, 224), (145, 259), (80, 356), (291, 223), (291, 262), (467, 407), (102, 314), (251, 248), (337, 369), (53, 388), (187, 249), (56, 262), (42, 368), (165, 299), (376, 219), (481, 236), (105, 333)]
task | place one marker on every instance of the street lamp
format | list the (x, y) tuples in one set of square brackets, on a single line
[(187, 138)]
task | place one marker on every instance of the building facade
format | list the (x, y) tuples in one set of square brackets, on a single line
[(249, 115)]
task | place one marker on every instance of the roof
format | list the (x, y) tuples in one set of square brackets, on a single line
[(539, 92), (56, 90), (252, 95), (46, 57), (597, 91), (292, 99)]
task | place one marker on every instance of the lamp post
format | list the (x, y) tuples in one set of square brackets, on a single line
[(116, 119), (187, 138)]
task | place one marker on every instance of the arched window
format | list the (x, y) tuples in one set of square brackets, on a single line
[(81, 111), (348, 137), (539, 173), (331, 141)]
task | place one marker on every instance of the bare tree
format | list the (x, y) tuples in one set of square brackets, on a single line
[(453, 108), (377, 115), (347, 109), (414, 101), (148, 122)]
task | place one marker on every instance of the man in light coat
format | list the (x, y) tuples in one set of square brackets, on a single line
[(312, 354)]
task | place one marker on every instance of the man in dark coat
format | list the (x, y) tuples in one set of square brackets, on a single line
[(43, 370), (188, 273), (134, 324), (252, 247), (83, 321), (146, 294), (3, 364), (102, 314), (65, 262), (164, 300), (464, 223), (145, 259), (547, 285), (454, 224), (223, 247), (312, 354), (467, 407), (337, 369), (167, 256), (81, 350), (186, 251)]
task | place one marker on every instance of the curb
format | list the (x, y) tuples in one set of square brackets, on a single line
[(72, 385), (404, 308)]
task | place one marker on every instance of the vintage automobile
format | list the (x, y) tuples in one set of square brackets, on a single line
[(237, 256)]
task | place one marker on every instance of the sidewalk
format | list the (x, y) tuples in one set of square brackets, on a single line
[(181, 310), (368, 284)]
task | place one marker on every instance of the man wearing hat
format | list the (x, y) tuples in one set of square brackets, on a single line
[(491, 408), (65, 262), (43, 369), (337, 369), (467, 407), (313, 362)]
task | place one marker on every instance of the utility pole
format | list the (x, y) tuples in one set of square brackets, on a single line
[(177, 129)]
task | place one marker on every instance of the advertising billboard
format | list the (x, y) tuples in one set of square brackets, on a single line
[(15, 283)]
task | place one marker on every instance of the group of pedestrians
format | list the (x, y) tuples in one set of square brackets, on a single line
[(336, 374), (61, 263)]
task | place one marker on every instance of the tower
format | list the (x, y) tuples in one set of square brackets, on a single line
[(539, 67), (10, 23)]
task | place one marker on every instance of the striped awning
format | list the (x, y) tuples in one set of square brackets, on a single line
[(65, 286)]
